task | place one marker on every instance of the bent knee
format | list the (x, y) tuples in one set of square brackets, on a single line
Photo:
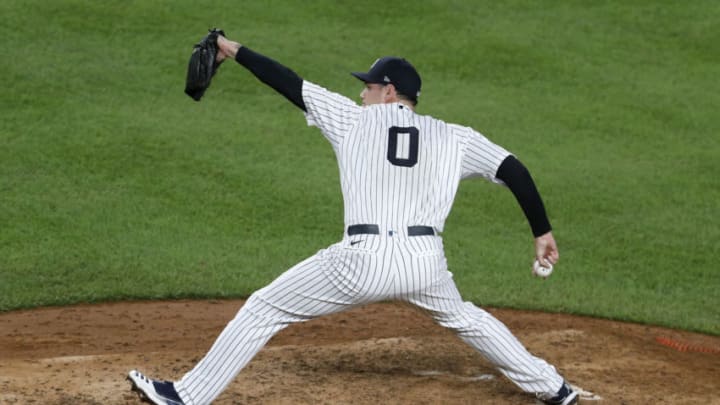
[(466, 319), (268, 311)]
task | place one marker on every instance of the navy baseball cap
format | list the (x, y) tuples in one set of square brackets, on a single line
[(396, 71)]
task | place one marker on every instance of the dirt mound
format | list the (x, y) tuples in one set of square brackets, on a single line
[(383, 353)]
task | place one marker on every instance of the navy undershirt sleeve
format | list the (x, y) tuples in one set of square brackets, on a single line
[(517, 177), (272, 73)]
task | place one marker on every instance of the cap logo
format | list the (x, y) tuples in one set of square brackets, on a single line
[(386, 79)]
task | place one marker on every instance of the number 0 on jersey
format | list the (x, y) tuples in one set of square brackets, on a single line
[(403, 146)]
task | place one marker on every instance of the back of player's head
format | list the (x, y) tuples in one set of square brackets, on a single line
[(396, 71)]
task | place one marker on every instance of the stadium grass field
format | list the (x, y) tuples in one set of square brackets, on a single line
[(114, 185)]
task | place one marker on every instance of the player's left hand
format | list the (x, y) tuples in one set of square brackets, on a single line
[(546, 251), (203, 64), (227, 49)]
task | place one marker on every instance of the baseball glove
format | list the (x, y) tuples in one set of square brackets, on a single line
[(202, 65)]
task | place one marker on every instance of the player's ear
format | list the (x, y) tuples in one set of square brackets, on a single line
[(390, 93)]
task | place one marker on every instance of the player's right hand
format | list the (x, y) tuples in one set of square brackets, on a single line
[(546, 251)]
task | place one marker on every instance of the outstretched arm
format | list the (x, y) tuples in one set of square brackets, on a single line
[(517, 177), (270, 72)]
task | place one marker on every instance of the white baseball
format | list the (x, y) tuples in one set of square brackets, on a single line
[(542, 271)]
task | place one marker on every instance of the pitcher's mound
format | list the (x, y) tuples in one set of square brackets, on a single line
[(380, 354)]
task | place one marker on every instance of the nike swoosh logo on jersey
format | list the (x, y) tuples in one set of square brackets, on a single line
[(355, 242)]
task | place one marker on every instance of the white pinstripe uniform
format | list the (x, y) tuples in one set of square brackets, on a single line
[(397, 169)]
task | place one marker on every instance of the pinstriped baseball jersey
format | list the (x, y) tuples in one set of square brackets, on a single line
[(398, 168)]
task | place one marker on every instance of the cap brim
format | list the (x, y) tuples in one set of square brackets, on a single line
[(365, 77)]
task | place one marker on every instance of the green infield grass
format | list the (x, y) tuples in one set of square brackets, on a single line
[(114, 185)]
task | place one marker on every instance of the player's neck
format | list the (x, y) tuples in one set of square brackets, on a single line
[(409, 105), (406, 103)]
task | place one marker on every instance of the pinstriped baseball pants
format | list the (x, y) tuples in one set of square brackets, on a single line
[(353, 272)]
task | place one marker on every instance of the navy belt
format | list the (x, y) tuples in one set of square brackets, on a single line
[(372, 229)]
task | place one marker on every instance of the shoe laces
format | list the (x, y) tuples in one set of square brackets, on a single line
[(142, 377)]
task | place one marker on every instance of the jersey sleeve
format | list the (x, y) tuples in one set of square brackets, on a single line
[(333, 113), (482, 157)]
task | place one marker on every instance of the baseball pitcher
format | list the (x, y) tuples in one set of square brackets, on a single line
[(399, 173)]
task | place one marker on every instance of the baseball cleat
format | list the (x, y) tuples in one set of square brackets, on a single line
[(565, 396), (155, 392)]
